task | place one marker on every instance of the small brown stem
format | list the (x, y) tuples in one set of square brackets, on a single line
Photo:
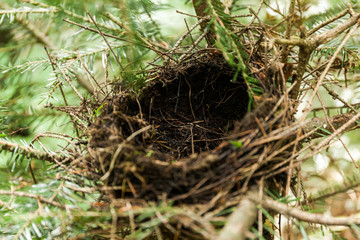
[(304, 216), (201, 8), (285, 50)]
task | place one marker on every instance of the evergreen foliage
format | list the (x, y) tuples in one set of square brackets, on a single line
[(57, 56)]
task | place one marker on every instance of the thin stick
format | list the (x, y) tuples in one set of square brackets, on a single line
[(91, 75), (304, 216), (29, 195), (331, 125), (106, 41), (324, 73)]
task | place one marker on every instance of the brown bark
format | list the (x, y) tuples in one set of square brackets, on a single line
[(201, 9)]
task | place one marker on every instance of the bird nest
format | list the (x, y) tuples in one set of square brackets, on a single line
[(187, 137)]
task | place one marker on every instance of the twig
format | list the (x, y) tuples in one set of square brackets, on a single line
[(70, 13), (147, 42), (202, 9), (241, 15), (285, 51), (202, 36), (355, 105), (324, 73), (114, 225), (255, 13), (26, 11), (177, 44), (302, 215), (118, 150), (325, 143), (29, 195), (39, 36), (94, 30), (30, 152), (119, 38), (91, 75), (325, 194), (337, 96), (282, 21), (240, 220), (191, 15), (333, 129), (258, 18), (106, 41), (228, 4), (54, 135), (323, 24), (68, 80), (59, 84)]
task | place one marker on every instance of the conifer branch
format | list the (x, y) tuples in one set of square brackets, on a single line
[(30, 152), (34, 196), (38, 35), (72, 14)]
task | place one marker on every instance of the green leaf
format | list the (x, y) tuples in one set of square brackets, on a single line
[(303, 231), (237, 143)]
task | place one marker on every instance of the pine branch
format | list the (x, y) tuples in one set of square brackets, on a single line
[(308, 44), (27, 11), (38, 35), (351, 183), (30, 152), (30, 195), (69, 13)]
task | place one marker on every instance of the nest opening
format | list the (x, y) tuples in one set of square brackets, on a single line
[(194, 105)]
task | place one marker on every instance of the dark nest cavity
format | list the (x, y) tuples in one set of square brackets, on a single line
[(194, 105)]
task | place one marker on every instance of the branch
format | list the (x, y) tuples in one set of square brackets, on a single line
[(333, 33), (302, 215), (33, 29), (29, 195), (332, 191), (240, 220), (321, 124), (228, 4), (201, 8), (346, 126), (72, 14), (285, 50), (323, 24), (308, 45), (322, 38), (30, 152)]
